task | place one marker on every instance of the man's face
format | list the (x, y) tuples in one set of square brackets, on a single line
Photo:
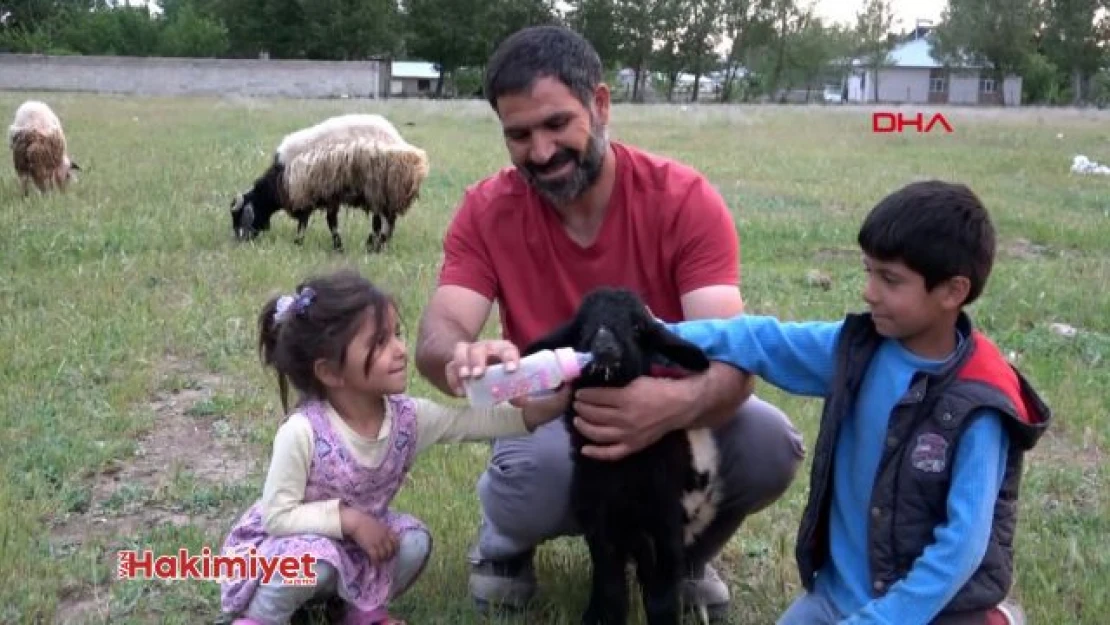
[(556, 143)]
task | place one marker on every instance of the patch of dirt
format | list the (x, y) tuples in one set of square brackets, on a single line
[(130, 495), (1025, 249), (837, 253), (1057, 450)]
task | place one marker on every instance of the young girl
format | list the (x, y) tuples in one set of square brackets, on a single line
[(341, 456)]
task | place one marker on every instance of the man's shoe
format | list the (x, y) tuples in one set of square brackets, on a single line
[(1011, 613), (501, 584), (706, 591)]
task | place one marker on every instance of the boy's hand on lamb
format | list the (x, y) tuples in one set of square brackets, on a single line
[(622, 421), (471, 359)]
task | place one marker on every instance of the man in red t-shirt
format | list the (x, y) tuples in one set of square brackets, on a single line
[(579, 211)]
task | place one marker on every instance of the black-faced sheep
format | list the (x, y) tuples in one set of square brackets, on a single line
[(651, 505), (39, 151), (356, 160)]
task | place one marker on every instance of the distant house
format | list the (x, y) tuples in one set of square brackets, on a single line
[(914, 76), (412, 79)]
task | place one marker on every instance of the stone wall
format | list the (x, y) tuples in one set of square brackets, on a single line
[(194, 76)]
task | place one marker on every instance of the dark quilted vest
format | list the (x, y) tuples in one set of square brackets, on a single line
[(910, 493)]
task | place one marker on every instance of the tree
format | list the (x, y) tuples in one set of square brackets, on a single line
[(789, 19), (1070, 39), (995, 33), (597, 21), (444, 32), (699, 38), (873, 25), (637, 26), (749, 24), (188, 33), (666, 56)]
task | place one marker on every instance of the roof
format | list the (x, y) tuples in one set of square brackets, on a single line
[(414, 69), (915, 53)]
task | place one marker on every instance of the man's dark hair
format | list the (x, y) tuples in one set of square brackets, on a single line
[(938, 229), (543, 51)]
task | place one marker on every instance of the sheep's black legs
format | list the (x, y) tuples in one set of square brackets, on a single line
[(333, 226), (302, 224), (382, 232), (659, 566)]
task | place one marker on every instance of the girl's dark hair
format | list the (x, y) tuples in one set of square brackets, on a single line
[(322, 319)]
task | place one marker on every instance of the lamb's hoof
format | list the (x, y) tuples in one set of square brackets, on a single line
[(594, 616)]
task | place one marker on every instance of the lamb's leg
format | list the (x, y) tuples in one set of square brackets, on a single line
[(387, 236), (376, 239), (660, 567), (302, 224), (609, 589), (333, 226)]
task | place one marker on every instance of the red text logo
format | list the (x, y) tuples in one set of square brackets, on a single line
[(898, 122), (294, 570)]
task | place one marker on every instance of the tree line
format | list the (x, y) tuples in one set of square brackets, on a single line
[(752, 48)]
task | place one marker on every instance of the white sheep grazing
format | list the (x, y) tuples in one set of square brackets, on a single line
[(357, 160), (39, 150)]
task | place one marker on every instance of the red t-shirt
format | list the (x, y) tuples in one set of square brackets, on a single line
[(667, 231)]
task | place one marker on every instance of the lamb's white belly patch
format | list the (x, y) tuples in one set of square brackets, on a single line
[(701, 504)]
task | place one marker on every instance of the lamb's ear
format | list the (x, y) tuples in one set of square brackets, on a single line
[(565, 335), (678, 350)]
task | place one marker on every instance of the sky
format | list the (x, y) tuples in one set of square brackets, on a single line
[(908, 11)]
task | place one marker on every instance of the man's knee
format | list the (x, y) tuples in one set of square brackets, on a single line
[(524, 490), (761, 452)]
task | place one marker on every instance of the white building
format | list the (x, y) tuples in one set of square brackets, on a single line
[(914, 76)]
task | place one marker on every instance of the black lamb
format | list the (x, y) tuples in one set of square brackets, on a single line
[(648, 506)]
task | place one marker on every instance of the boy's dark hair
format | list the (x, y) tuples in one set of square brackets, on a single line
[(324, 316), (938, 229), (538, 51)]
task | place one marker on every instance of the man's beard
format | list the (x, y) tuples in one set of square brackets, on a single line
[(584, 173)]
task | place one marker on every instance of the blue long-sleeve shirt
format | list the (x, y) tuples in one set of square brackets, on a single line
[(799, 357)]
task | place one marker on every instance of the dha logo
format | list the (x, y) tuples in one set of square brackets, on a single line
[(885, 122)]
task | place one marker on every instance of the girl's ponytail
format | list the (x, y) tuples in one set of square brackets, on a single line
[(268, 329)]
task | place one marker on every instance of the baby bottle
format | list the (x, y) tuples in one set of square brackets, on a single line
[(535, 374)]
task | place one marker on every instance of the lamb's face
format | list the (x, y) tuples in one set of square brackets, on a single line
[(611, 330), (616, 328)]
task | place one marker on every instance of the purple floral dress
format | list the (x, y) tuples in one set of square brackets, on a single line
[(335, 474)]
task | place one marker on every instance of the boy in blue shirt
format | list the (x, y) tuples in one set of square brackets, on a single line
[(914, 483)]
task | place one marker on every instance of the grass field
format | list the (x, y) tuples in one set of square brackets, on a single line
[(134, 413)]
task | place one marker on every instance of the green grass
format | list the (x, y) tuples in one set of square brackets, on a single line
[(133, 411)]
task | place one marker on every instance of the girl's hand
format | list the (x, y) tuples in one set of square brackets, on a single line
[(375, 538), (540, 410), (470, 361)]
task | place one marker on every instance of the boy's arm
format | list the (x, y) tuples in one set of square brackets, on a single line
[(946, 565), (284, 510), (798, 357)]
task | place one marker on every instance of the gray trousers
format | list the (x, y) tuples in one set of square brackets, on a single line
[(275, 603), (525, 489)]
